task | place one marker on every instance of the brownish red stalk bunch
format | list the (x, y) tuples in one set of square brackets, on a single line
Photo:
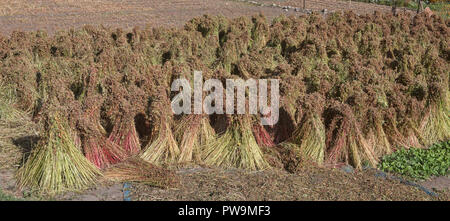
[(120, 108), (262, 136), (398, 138), (124, 134), (97, 148), (344, 139)]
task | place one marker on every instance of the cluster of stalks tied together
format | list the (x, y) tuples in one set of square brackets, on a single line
[(353, 88)]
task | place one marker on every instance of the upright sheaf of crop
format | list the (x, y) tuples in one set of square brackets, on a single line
[(207, 31), (235, 41), (436, 123), (376, 137), (345, 141), (310, 136), (124, 135), (260, 31), (193, 132), (164, 148), (292, 87), (120, 108), (97, 148), (310, 132), (236, 148), (56, 164)]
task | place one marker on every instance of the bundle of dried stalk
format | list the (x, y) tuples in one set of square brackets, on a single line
[(136, 169), (236, 148), (56, 164)]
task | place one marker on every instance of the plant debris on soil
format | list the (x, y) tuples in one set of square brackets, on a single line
[(138, 170), (311, 183)]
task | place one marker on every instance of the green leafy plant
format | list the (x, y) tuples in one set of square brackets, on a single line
[(419, 163)]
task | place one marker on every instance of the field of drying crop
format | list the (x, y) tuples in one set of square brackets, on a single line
[(87, 107)]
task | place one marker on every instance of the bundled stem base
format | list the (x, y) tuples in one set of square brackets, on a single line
[(345, 141), (192, 133), (376, 137), (124, 135), (102, 152), (436, 125), (236, 148), (164, 148), (310, 136), (56, 164), (262, 136)]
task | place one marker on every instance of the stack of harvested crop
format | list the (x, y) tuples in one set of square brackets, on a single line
[(193, 132), (376, 137), (124, 135), (237, 147), (344, 139), (119, 108), (310, 133), (56, 164), (436, 123), (97, 148), (163, 148)]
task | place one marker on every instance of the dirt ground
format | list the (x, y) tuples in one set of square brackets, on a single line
[(437, 183), (311, 183), (331, 5), (53, 15), (206, 184)]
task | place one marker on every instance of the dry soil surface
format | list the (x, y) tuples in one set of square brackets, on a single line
[(310, 183), (330, 5), (199, 184), (53, 15)]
